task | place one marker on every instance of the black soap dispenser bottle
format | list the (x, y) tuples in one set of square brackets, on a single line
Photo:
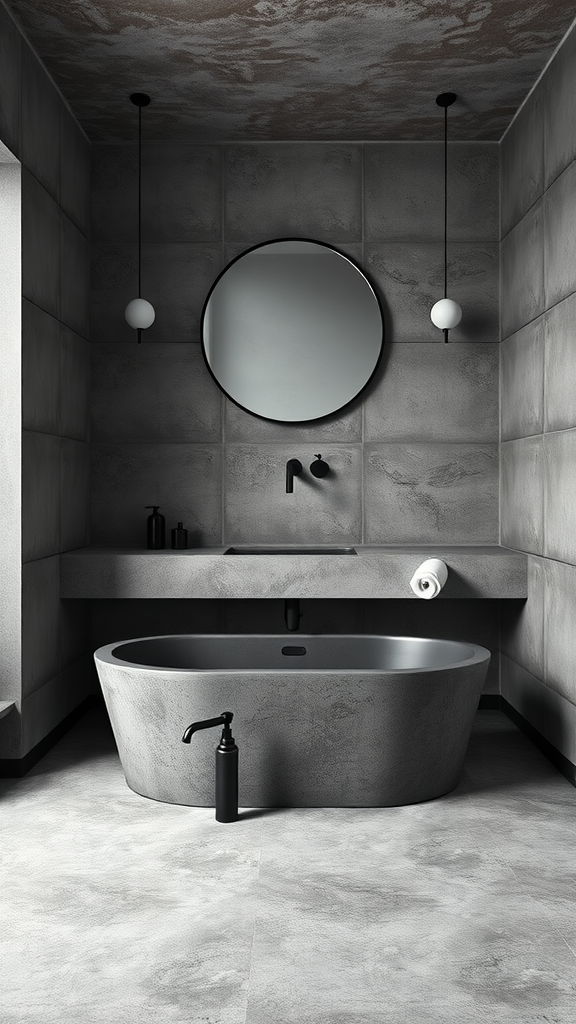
[(226, 782), (156, 531), (179, 537)]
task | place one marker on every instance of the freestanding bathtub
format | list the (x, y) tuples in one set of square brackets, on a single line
[(320, 721)]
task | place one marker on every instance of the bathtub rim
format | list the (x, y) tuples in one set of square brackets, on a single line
[(105, 655)]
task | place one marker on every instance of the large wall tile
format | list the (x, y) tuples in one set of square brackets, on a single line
[(522, 272), (522, 162), (404, 191), (114, 193), (40, 124), (40, 495), (560, 237), (352, 249), (522, 622), (559, 619), (258, 510), (153, 393), (40, 246), (74, 385), (404, 196), (560, 365), (431, 493), (543, 707), (124, 619), (560, 495), (75, 173), (74, 278), (558, 89), (343, 427), (74, 631), (184, 479), (40, 370), (114, 282), (522, 381), (47, 706), (473, 621), (175, 279), (10, 82), (181, 193), (40, 622), (74, 494), (437, 392), (277, 190), (521, 496), (410, 279)]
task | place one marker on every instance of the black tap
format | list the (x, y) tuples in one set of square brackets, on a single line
[(226, 765), (293, 468), (292, 613)]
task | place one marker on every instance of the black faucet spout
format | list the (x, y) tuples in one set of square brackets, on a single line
[(292, 613), (293, 468)]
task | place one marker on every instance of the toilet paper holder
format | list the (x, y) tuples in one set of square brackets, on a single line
[(429, 578)]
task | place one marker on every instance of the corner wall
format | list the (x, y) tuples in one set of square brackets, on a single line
[(538, 404), (52, 477)]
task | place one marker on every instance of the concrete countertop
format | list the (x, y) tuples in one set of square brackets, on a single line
[(374, 572)]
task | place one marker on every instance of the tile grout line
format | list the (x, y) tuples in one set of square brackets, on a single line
[(249, 981)]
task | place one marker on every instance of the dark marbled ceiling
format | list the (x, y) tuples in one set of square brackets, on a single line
[(294, 69)]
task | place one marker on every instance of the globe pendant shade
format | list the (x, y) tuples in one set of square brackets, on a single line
[(446, 314), (140, 314)]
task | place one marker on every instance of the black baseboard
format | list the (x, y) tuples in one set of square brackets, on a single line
[(489, 702), (544, 746), (494, 702), (17, 767)]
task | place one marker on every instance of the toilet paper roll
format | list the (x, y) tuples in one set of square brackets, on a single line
[(429, 578)]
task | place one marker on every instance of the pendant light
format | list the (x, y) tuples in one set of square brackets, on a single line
[(140, 313), (446, 313)]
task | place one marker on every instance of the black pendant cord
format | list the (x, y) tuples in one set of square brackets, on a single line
[(139, 330), (140, 99), (139, 202), (445, 202), (446, 99), (446, 211)]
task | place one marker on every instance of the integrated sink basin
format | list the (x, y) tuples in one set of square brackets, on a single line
[(290, 551)]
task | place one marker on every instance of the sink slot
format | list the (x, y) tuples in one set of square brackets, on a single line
[(289, 551)]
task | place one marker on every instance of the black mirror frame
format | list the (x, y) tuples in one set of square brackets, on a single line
[(260, 245)]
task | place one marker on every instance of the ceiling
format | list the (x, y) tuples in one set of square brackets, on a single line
[(294, 69)]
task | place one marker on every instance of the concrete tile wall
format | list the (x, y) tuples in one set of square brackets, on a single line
[(38, 127), (538, 409), (202, 205), (413, 460)]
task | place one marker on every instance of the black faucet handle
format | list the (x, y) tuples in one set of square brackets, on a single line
[(319, 468)]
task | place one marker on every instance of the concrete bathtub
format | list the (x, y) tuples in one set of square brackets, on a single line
[(320, 721)]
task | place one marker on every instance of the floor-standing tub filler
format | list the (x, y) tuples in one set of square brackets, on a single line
[(320, 721)]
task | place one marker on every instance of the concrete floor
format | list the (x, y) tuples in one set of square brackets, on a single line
[(121, 910)]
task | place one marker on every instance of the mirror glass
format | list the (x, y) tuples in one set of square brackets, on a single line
[(292, 330)]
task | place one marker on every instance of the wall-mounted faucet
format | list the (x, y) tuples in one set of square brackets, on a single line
[(292, 613), (293, 468)]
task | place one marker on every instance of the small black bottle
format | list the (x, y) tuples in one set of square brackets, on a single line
[(179, 537), (156, 529)]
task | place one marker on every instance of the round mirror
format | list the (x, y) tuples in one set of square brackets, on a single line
[(292, 330)]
